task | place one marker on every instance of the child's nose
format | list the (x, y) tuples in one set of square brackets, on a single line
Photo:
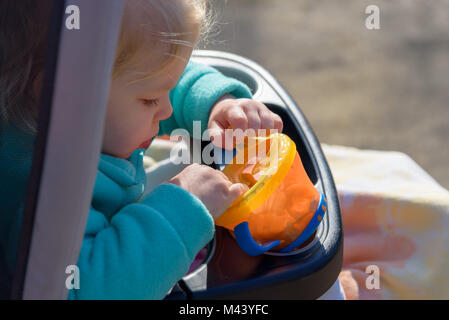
[(165, 111)]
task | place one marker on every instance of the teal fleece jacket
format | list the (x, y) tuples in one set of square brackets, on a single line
[(131, 249)]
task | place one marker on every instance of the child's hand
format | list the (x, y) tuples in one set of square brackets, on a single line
[(211, 186), (229, 112)]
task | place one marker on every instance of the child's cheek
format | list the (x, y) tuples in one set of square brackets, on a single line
[(116, 142)]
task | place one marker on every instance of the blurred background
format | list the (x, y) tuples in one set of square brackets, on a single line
[(385, 89)]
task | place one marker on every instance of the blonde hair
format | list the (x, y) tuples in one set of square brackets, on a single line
[(178, 24), (173, 26)]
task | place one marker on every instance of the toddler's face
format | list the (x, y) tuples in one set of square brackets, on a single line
[(134, 110)]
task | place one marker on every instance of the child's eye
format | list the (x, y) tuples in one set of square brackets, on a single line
[(151, 102)]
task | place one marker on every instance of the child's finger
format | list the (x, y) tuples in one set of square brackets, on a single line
[(266, 119), (237, 189), (253, 119), (278, 124), (237, 119), (216, 133), (216, 128), (221, 137)]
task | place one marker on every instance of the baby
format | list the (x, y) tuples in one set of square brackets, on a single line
[(139, 250)]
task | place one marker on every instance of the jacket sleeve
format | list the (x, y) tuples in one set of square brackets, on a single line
[(198, 89), (145, 248)]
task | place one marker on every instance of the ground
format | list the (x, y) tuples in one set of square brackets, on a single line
[(385, 89)]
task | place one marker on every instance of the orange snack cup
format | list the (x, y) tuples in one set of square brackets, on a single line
[(282, 208)]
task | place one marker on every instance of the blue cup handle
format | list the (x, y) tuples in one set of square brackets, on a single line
[(251, 247), (248, 244), (311, 227)]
